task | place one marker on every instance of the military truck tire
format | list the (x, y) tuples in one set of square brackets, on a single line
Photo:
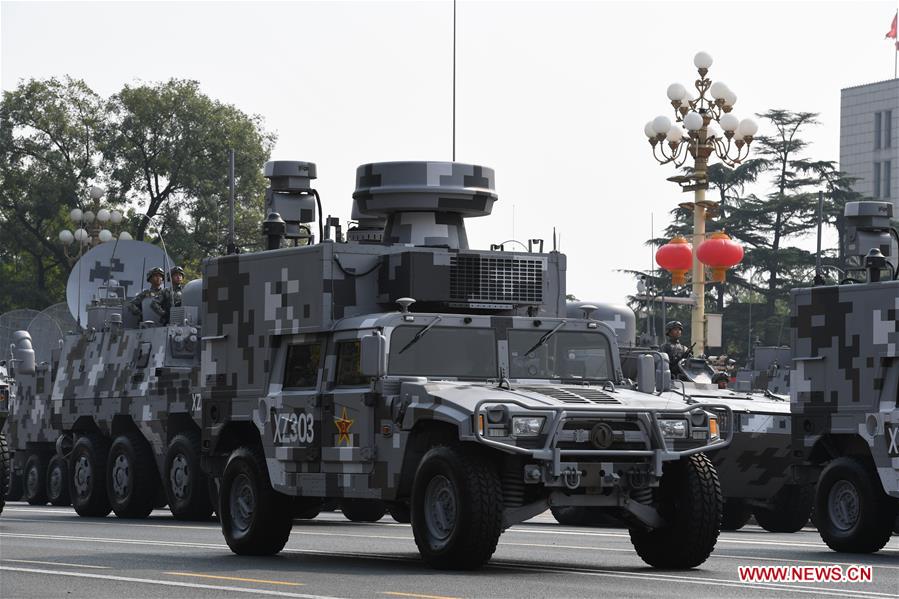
[(186, 485), (852, 512), (735, 514), (363, 510), (689, 499), (5, 471), (131, 478), (14, 489), (35, 479), (88, 476), (256, 520), (791, 507), (457, 509), (58, 482), (401, 512)]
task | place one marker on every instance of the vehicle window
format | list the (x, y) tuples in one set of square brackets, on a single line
[(443, 351), (301, 370), (348, 364), (566, 355)]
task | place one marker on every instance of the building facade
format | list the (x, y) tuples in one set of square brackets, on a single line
[(869, 139)]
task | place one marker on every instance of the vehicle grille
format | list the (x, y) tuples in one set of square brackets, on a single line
[(475, 278), (574, 395)]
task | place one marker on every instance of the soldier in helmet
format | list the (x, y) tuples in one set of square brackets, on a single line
[(170, 297), (674, 348), (154, 278)]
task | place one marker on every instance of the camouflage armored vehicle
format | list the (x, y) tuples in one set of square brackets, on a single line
[(845, 388), (476, 405), (6, 392), (755, 470), (39, 475)]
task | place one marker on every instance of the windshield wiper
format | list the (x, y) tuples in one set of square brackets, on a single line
[(542, 341), (420, 334)]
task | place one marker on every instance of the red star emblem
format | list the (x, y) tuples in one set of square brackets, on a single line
[(343, 426)]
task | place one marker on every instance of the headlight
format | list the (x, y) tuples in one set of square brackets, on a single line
[(527, 426), (673, 428)]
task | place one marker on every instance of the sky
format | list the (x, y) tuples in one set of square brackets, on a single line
[(552, 95)]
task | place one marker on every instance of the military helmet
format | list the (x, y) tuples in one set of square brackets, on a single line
[(673, 324), (176, 269), (155, 271)]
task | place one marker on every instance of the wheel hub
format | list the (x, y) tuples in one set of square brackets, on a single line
[(242, 501), (440, 509), (31, 482), (121, 474), (82, 476), (179, 475), (843, 505)]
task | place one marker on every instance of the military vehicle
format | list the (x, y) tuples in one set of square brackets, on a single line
[(845, 387), (123, 412), (754, 470), (6, 392), (475, 405)]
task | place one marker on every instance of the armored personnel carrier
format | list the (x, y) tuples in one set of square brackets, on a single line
[(6, 392), (404, 367), (845, 388)]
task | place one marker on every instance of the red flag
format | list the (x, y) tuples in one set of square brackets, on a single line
[(892, 32)]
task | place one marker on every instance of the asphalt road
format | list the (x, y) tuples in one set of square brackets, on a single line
[(50, 552)]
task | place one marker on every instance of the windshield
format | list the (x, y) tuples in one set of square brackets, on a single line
[(565, 355), (443, 352)]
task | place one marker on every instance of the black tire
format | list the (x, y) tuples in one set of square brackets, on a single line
[(363, 510), (58, 482), (5, 471), (585, 516), (34, 478), (306, 508), (735, 515), (852, 512), (15, 489), (132, 481), (186, 485), (789, 510), (256, 520), (689, 500), (401, 512), (457, 508), (87, 466)]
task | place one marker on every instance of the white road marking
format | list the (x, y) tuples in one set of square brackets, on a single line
[(31, 561), (167, 583)]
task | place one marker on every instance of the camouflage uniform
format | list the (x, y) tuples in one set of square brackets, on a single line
[(170, 297), (136, 304)]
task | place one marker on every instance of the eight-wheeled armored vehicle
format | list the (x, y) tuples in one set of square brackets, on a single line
[(845, 388), (475, 405)]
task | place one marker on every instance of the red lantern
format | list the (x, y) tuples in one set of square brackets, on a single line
[(719, 252), (676, 257)]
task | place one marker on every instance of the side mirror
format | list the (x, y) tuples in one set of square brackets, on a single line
[(373, 355)]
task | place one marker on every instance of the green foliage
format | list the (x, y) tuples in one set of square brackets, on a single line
[(159, 150)]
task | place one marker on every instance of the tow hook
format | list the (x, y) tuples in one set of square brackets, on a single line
[(572, 478)]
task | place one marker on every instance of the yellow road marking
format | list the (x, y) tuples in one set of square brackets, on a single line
[(396, 594), (214, 577), (31, 561)]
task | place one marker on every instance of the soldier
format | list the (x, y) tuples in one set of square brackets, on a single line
[(674, 348), (154, 277), (170, 297)]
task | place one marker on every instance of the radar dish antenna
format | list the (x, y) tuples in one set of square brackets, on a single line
[(125, 262)]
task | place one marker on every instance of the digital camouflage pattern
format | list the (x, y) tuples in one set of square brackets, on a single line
[(845, 384), (31, 427)]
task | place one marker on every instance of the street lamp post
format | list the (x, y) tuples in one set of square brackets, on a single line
[(711, 130), (91, 227)]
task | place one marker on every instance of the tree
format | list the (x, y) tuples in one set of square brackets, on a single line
[(51, 132), (169, 146)]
